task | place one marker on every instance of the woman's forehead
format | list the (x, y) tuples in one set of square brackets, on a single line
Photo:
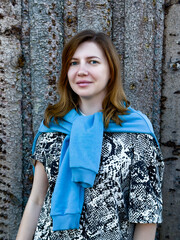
[(89, 49)]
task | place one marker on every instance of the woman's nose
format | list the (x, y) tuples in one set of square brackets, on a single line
[(82, 71)]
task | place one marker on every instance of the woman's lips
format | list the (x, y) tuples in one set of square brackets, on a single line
[(83, 83)]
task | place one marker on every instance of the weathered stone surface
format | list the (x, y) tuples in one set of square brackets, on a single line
[(94, 15), (141, 48), (157, 61), (10, 119), (70, 19), (118, 29), (170, 2), (27, 125), (46, 43), (170, 126)]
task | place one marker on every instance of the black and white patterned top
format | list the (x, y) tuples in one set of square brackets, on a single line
[(127, 189)]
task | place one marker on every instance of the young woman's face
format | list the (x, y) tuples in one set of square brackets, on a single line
[(89, 72)]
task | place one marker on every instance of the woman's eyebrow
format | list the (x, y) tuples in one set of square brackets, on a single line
[(93, 57), (74, 58)]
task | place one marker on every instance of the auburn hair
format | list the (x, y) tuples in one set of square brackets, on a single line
[(115, 102)]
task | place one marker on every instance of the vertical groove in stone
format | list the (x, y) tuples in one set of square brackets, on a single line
[(158, 53), (95, 15), (70, 19), (10, 119), (118, 29), (27, 137), (46, 43)]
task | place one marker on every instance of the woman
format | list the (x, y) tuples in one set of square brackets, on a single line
[(98, 166)]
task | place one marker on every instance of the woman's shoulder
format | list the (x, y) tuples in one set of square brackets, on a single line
[(44, 144), (134, 136), (141, 142), (48, 137)]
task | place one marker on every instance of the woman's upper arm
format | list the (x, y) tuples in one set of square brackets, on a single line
[(40, 184), (145, 231), (146, 172)]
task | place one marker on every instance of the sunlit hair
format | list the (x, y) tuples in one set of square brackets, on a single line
[(115, 103)]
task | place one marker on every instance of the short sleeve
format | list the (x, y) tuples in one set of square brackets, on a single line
[(39, 153), (146, 175)]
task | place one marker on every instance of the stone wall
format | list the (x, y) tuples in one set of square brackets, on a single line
[(32, 36), (10, 118), (170, 122)]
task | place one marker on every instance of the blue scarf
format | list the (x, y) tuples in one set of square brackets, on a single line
[(80, 159)]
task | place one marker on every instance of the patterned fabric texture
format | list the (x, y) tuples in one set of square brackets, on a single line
[(127, 189)]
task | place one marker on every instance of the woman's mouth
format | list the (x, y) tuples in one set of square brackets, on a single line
[(83, 83)]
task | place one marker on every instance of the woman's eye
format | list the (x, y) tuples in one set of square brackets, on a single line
[(93, 62), (73, 63)]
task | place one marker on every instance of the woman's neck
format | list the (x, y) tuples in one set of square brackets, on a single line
[(90, 107)]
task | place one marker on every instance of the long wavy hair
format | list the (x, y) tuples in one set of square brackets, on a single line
[(115, 102)]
